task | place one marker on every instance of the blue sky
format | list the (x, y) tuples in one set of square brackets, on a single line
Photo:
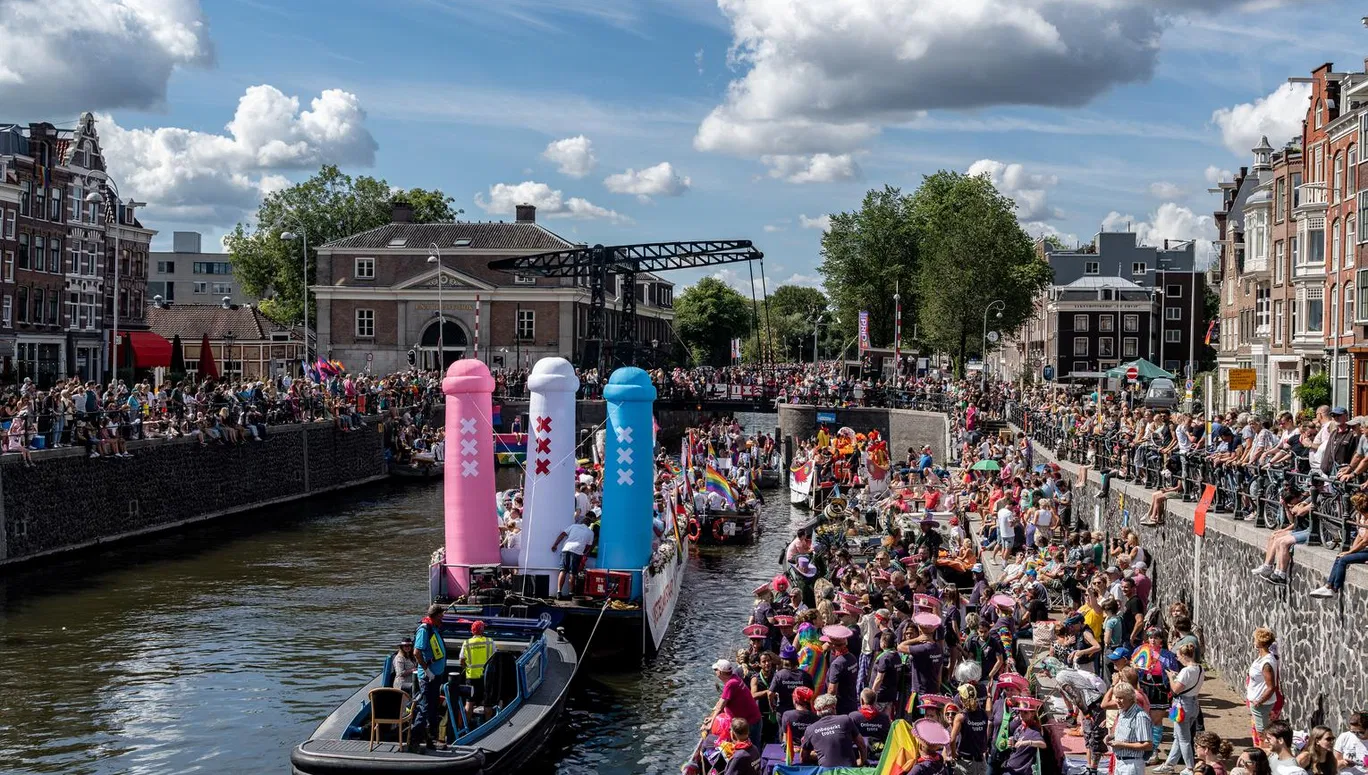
[(768, 113)]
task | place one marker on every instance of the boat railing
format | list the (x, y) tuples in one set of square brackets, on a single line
[(531, 672)]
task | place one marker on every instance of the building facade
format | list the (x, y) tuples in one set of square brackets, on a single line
[(188, 275), (76, 247), (1115, 301), (244, 343), (1287, 362), (378, 297)]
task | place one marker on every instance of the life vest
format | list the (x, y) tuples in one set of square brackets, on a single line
[(475, 654)]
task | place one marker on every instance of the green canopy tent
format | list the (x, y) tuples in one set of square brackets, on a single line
[(1148, 371)]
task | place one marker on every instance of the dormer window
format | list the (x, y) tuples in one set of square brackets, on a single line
[(398, 242)]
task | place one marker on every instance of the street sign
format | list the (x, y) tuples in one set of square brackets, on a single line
[(1188, 386), (1132, 374), (370, 357), (1048, 373), (1243, 379)]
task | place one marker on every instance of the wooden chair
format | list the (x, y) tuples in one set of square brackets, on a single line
[(389, 707)]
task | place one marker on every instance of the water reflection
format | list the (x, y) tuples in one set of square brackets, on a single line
[(218, 649)]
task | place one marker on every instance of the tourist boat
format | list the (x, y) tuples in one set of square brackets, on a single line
[(531, 669), (769, 478)]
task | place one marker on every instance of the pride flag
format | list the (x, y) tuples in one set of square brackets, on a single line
[(713, 481), (1211, 329)]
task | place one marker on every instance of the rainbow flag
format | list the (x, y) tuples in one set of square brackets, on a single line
[(900, 750), (1211, 329), (788, 745), (1146, 660), (714, 481)]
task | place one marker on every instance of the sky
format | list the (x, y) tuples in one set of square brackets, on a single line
[(631, 121)]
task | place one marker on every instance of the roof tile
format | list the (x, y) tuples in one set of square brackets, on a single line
[(483, 236)]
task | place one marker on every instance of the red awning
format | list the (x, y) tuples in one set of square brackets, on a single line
[(149, 350)]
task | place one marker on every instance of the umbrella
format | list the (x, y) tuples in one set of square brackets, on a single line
[(207, 367), (1148, 371), (177, 369), (985, 465)]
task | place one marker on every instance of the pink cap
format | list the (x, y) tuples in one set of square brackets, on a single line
[(931, 733)]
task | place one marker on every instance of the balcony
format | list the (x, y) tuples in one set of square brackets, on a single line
[(1310, 198)]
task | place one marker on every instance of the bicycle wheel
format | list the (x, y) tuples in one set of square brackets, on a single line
[(1330, 523)]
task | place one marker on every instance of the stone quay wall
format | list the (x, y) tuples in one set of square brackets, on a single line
[(1323, 644), (69, 501), (902, 427)]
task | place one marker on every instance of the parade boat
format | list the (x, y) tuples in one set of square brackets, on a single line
[(725, 527), (622, 597), (528, 677), (415, 471)]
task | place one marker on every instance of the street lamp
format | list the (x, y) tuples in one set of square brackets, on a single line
[(303, 237), (436, 258), (999, 305), (228, 339), (111, 194), (1163, 315)]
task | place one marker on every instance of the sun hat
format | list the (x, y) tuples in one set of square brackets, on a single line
[(926, 619), (1003, 601), (931, 733), (788, 652), (837, 631), (755, 631), (804, 566), (783, 620)]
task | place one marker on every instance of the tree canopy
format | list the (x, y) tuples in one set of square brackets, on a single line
[(866, 255), (708, 315), (328, 206)]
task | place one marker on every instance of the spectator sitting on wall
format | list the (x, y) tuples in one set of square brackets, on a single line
[(17, 437), (1356, 553), (1296, 509)]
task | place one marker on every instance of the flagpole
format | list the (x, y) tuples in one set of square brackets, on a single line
[(897, 330)]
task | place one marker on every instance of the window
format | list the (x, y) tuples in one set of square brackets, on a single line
[(1348, 307), (1080, 322), (1296, 248), (1295, 307), (527, 324), (1080, 346), (22, 303), (9, 266), (1130, 323), (201, 287), (1362, 284), (1353, 171), (1092, 267), (365, 269), (225, 289), (1173, 313), (1138, 268), (38, 299), (1280, 200), (212, 267), (1106, 347), (24, 250), (166, 267), (463, 242), (1320, 114), (55, 203), (52, 304), (1130, 347), (1349, 241), (1278, 257), (1334, 245), (398, 242), (524, 279), (1315, 245), (54, 263), (39, 252), (1337, 191), (1315, 309), (1106, 323), (25, 196), (1173, 291), (40, 202), (1080, 366), (7, 311), (365, 323), (9, 224), (1173, 336), (1278, 322)]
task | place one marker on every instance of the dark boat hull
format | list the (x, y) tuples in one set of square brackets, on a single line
[(714, 531)]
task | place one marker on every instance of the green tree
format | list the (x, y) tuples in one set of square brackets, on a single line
[(792, 309), (708, 315), (868, 253), (971, 253), (1053, 242), (328, 206), (1314, 391)]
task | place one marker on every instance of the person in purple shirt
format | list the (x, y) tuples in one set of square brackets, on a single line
[(926, 654), (736, 699), (888, 672), (842, 670), (1027, 741), (833, 740), (932, 737), (745, 758), (872, 722), (801, 717), (787, 679)]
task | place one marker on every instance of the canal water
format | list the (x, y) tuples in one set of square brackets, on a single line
[(218, 649)]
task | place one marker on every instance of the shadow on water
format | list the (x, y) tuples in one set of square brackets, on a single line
[(216, 648)]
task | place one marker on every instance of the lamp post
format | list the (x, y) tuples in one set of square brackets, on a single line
[(655, 352), (436, 258), (111, 194), (999, 305), (303, 237), (228, 339), (1163, 315)]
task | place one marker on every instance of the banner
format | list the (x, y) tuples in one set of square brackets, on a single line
[(864, 331), (736, 349)]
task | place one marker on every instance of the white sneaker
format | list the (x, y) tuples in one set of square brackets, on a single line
[(1277, 577), (1323, 592), (1263, 570), (94, 454)]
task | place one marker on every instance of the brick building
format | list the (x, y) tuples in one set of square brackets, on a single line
[(1287, 363), (377, 296), (9, 226), (64, 247)]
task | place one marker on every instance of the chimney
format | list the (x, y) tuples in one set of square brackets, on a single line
[(526, 213), (401, 212)]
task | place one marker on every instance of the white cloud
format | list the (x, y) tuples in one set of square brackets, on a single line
[(1278, 115), (742, 282), (504, 197), (1039, 229), (1025, 188), (1162, 189), (698, 60), (660, 180), (1215, 174), (817, 168), (1170, 221), (805, 280), (823, 77), (771, 228), (61, 57), (822, 222), (573, 156), (187, 174)]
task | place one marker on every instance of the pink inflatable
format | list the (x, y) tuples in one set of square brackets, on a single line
[(472, 526)]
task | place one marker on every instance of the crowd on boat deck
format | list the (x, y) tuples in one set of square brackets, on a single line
[(985, 607)]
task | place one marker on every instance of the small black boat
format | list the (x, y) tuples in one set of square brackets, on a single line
[(417, 470), (726, 527), (531, 674)]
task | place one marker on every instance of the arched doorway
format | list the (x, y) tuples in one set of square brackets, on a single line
[(449, 337)]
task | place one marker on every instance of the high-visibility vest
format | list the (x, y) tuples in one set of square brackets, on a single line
[(475, 654)]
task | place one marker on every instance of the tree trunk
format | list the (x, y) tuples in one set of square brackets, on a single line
[(960, 371)]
